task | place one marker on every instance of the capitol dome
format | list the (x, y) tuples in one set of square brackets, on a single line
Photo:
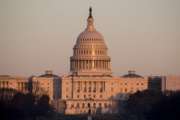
[(87, 35), (90, 52)]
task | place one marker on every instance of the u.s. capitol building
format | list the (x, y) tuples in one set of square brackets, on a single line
[(90, 87)]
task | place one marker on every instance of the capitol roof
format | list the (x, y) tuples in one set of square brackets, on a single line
[(132, 74), (90, 34)]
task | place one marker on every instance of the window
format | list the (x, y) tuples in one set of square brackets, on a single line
[(84, 89), (83, 105), (78, 90), (77, 96), (94, 90), (72, 105), (89, 105), (101, 90), (100, 105), (94, 96), (105, 105), (89, 96), (89, 89), (125, 90), (77, 105), (94, 105)]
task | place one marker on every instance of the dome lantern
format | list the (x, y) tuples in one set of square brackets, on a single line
[(90, 21), (90, 12)]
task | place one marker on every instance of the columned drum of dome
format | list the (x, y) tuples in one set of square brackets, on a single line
[(90, 52)]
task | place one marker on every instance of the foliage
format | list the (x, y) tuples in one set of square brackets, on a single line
[(166, 109), (23, 106), (144, 105), (151, 105)]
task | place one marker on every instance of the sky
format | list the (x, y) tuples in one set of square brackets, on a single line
[(38, 35)]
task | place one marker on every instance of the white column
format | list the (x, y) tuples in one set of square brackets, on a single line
[(93, 64)]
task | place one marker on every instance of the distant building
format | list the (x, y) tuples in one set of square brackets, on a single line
[(172, 83), (164, 83), (19, 84), (47, 84), (156, 83)]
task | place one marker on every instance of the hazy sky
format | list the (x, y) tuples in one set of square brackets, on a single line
[(38, 35)]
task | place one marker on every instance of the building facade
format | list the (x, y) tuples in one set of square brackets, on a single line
[(91, 87), (20, 84), (47, 84), (171, 83)]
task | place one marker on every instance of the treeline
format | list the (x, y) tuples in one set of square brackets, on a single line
[(144, 105), (147, 105), (151, 105), (19, 106)]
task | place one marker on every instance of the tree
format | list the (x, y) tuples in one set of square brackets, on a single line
[(20, 106), (140, 103), (166, 109), (43, 105)]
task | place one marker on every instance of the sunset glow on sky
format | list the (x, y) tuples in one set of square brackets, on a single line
[(38, 35)]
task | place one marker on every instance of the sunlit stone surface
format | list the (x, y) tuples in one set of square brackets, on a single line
[(91, 88), (90, 53)]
